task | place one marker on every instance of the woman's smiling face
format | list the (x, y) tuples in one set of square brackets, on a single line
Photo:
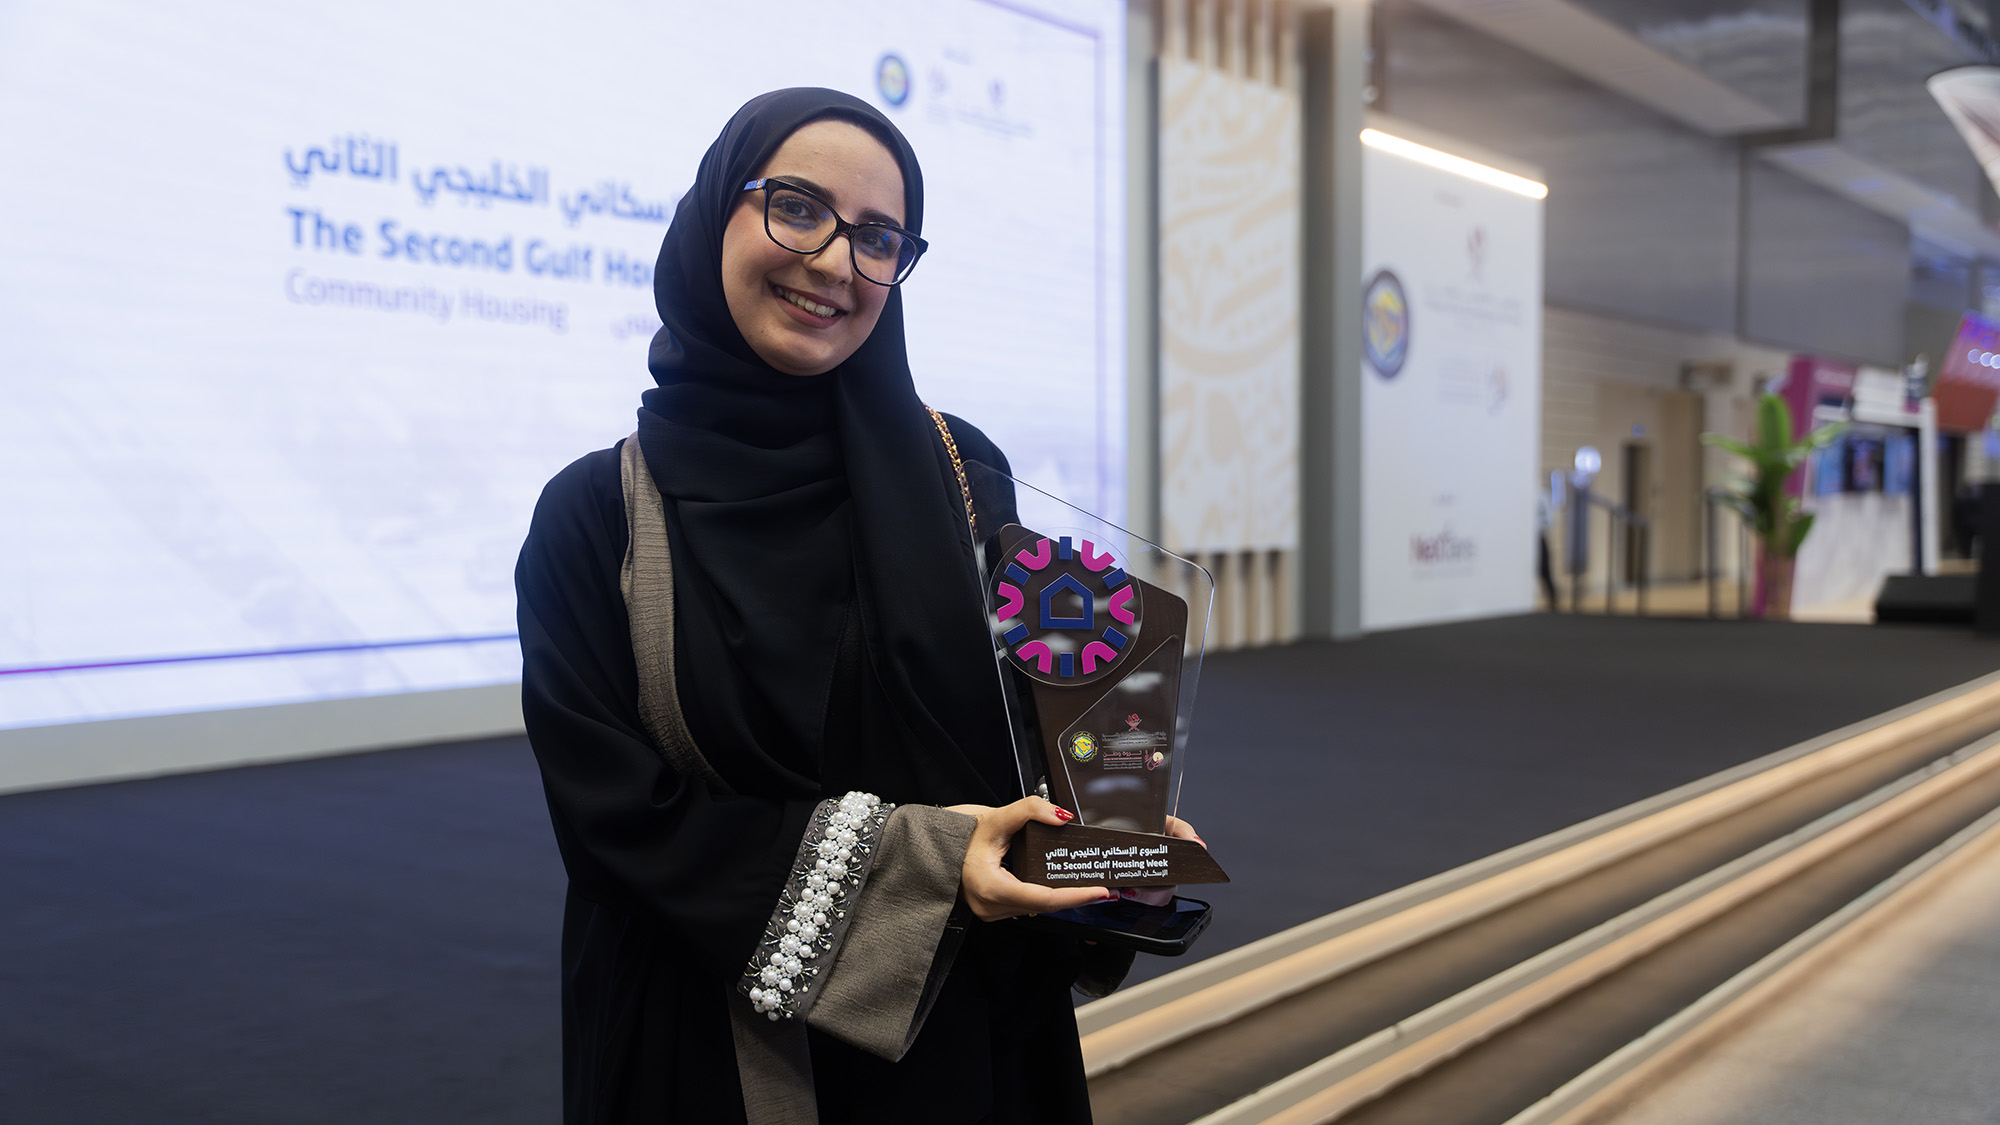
[(804, 314)]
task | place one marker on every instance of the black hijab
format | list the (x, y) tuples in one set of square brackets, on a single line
[(812, 517)]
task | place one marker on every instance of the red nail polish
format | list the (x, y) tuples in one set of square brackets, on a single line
[(1065, 814)]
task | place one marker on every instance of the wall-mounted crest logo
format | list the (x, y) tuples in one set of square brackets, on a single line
[(1064, 608), (1083, 746), (1385, 324), (892, 79)]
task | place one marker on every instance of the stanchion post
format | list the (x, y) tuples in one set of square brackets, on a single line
[(1742, 571), (1610, 561), (1709, 511), (1645, 563), (1576, 541)]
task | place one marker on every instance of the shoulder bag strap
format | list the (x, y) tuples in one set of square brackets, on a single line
[(773, 1060), (647, 579), (957, 466)]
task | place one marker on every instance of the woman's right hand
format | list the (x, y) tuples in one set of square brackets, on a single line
[(989, 888)]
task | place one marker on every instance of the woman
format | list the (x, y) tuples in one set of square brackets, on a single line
[(758, 683)]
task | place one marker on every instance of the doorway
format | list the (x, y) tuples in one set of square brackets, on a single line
[(1652, 464)]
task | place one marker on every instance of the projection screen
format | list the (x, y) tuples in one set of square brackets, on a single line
[(301, 305)]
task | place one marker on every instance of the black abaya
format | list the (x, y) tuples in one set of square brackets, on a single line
[(868, 670), (670, 885)]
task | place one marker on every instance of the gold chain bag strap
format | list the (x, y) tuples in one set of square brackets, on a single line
[(957, 466)]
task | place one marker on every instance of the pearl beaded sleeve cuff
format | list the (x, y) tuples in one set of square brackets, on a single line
[(806, 929)]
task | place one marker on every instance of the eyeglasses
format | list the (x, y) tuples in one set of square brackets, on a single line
[(803, 223)]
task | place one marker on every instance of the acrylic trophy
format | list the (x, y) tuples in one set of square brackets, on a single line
[(1098, 635)]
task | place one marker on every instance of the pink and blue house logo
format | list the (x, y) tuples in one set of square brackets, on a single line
[(1065, 610)]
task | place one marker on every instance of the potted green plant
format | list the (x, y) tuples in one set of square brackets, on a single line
[(1772, 512)]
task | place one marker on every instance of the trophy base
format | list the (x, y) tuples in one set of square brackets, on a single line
[(1077, 855)]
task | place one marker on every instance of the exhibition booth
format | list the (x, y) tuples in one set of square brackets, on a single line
[(1873, 491)]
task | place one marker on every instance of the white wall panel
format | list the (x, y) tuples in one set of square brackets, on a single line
[(1451, 395)]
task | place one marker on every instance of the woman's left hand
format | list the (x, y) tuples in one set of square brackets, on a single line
[(989, 888)]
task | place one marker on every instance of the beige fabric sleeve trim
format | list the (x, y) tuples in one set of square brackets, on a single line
[(902, 937), (773, 1067)]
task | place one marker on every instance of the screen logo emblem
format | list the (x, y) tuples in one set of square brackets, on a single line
[(892, 78)]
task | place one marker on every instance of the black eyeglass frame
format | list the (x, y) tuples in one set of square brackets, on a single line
[(840, 227)]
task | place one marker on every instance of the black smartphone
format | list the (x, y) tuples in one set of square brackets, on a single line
[(1166, 930)]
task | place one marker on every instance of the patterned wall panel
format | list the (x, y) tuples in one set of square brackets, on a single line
[(1230, 265)]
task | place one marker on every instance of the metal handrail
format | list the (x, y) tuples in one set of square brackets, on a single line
[(1712, 499), (1623, 518), (1620, 519)]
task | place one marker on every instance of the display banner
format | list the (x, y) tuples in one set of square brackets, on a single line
[(1451, 394), (300, 306), (1229, 304)]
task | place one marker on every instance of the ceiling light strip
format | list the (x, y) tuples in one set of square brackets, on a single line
[(1457, 165)]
